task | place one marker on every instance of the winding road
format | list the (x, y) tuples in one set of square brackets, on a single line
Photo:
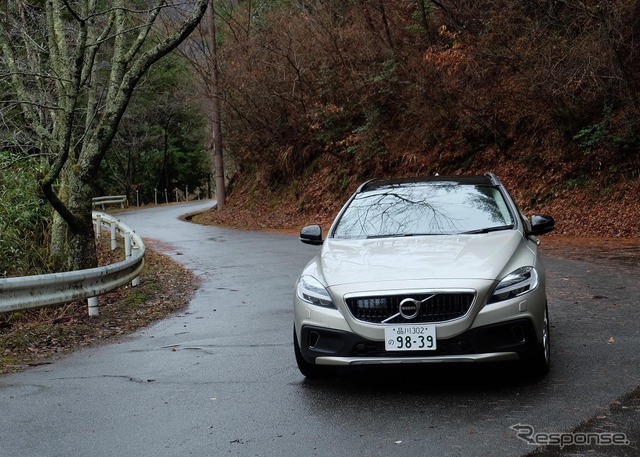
[(219, 379)]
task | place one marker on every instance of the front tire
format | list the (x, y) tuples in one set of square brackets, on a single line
[(540, 364)]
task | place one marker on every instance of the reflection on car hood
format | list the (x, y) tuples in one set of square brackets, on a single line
[(420, 257)]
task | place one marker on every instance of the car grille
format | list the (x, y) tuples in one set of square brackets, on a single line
[(434, 307)]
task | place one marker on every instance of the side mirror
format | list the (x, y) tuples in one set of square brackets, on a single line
[(541, 224), (311, 234)]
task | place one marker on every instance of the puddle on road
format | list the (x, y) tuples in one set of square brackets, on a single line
[(610, 251)]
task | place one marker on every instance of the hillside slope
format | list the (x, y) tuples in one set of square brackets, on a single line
[(320, 96), (600, 207)]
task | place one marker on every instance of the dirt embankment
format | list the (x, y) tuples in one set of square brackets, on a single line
[(596, 207)]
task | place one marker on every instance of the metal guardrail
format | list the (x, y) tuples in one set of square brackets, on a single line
[(109, 199), (38, 291)]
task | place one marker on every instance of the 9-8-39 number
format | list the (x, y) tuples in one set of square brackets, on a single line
[(422, 342)]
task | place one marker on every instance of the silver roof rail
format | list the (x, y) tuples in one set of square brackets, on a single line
[(494, 180)]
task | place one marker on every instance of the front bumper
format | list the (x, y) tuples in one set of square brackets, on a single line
[(512, 340)]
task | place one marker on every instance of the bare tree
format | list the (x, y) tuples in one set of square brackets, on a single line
[(202, 51), (215, 111), (71, 67)]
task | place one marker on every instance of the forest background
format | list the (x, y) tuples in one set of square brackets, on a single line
[(317, 96)]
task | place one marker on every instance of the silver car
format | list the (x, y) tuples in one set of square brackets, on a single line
[(424, 270)]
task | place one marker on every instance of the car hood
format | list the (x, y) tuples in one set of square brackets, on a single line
[(482, 256)]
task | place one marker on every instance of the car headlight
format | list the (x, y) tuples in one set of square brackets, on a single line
[(310, 290), (516, 283)]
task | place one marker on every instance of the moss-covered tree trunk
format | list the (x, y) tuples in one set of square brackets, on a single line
[(81, 240)]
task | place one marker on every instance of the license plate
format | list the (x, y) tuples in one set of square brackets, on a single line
[(410, 338)]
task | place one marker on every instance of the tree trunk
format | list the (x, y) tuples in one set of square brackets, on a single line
[(81, 238), (385, 24), (58, 258), (215, 112)]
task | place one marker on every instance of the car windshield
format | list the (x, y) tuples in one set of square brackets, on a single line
[(411, 209)]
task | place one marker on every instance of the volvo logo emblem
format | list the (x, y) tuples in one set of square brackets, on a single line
[(409, 308)]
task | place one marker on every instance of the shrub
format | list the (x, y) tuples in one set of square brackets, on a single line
[(24, 220)]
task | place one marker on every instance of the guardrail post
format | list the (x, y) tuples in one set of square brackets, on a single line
[(114, 244), (128, 252), (92, 303), (135, 282), (98, 226), (127, 245)]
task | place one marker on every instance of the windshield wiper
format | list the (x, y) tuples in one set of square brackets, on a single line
[(390, 235), (402, 235), (488, 229)]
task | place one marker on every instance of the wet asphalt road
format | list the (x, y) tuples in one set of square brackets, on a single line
[(220, 378)]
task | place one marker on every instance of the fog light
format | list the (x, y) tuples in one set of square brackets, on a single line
[(314, 337), (518, 333)]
